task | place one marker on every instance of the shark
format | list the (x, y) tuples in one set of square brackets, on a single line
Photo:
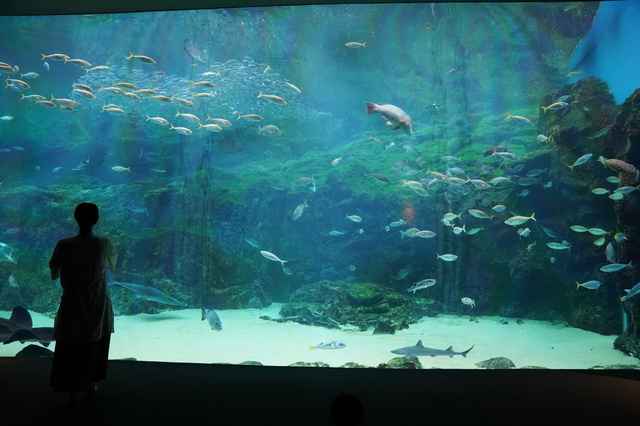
[(19, 328), (150, 293), (419, 350)]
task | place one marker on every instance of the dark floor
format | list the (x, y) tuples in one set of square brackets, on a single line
[(148, 393)]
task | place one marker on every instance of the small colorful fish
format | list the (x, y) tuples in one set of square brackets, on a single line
[(333, 344)]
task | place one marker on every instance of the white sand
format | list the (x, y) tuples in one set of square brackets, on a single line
[(180, 336)]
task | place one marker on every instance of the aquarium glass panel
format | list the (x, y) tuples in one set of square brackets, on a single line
[(447, 185)]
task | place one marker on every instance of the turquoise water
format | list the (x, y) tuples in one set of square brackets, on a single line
[(207, 137)]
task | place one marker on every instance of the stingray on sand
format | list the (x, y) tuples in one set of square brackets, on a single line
[(19, 328)]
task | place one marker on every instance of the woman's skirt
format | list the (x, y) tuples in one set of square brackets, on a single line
[(77, 365)]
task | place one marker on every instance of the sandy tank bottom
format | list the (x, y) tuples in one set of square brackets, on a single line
[(180, 336)]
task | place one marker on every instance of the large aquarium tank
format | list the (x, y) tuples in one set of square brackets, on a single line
[(448, 185)]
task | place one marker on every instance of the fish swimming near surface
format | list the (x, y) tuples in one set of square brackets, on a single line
[(212, 318), (420, 350), (333, 344), (140, 57), (150, 293), (395, 116), (19, 328), (273, 98)]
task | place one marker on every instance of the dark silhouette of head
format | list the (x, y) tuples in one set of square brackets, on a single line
[(346, 410), (87, 216)]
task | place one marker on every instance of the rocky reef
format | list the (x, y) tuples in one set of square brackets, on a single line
[(337, 304)]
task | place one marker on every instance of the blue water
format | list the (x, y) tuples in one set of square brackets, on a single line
[(606, 53), (190, 209)]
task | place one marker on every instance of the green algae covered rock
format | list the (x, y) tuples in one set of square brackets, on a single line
[(251, 363), (498, 363), (402, 363), (354, 365), (309, 364), (334, 304)]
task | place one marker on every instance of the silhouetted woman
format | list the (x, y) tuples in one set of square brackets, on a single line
[(84, 321)]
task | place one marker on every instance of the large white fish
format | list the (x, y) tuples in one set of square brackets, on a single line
[(272, 256), (395, 116), (212, 318)]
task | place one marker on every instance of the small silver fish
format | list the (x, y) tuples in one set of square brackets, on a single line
[(632, 292), (578, 228), (402, 273), (521, 120), (580, 161), (610, 253), (299, 210), (447, 257), (591, 285), (252, 242), (613, 267), (12, 281), (468, 301), (524, 232), (287, 271), (519, 220), (557, 246), (269, 129)]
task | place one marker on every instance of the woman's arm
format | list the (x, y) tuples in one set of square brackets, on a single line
[(54, 263)]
